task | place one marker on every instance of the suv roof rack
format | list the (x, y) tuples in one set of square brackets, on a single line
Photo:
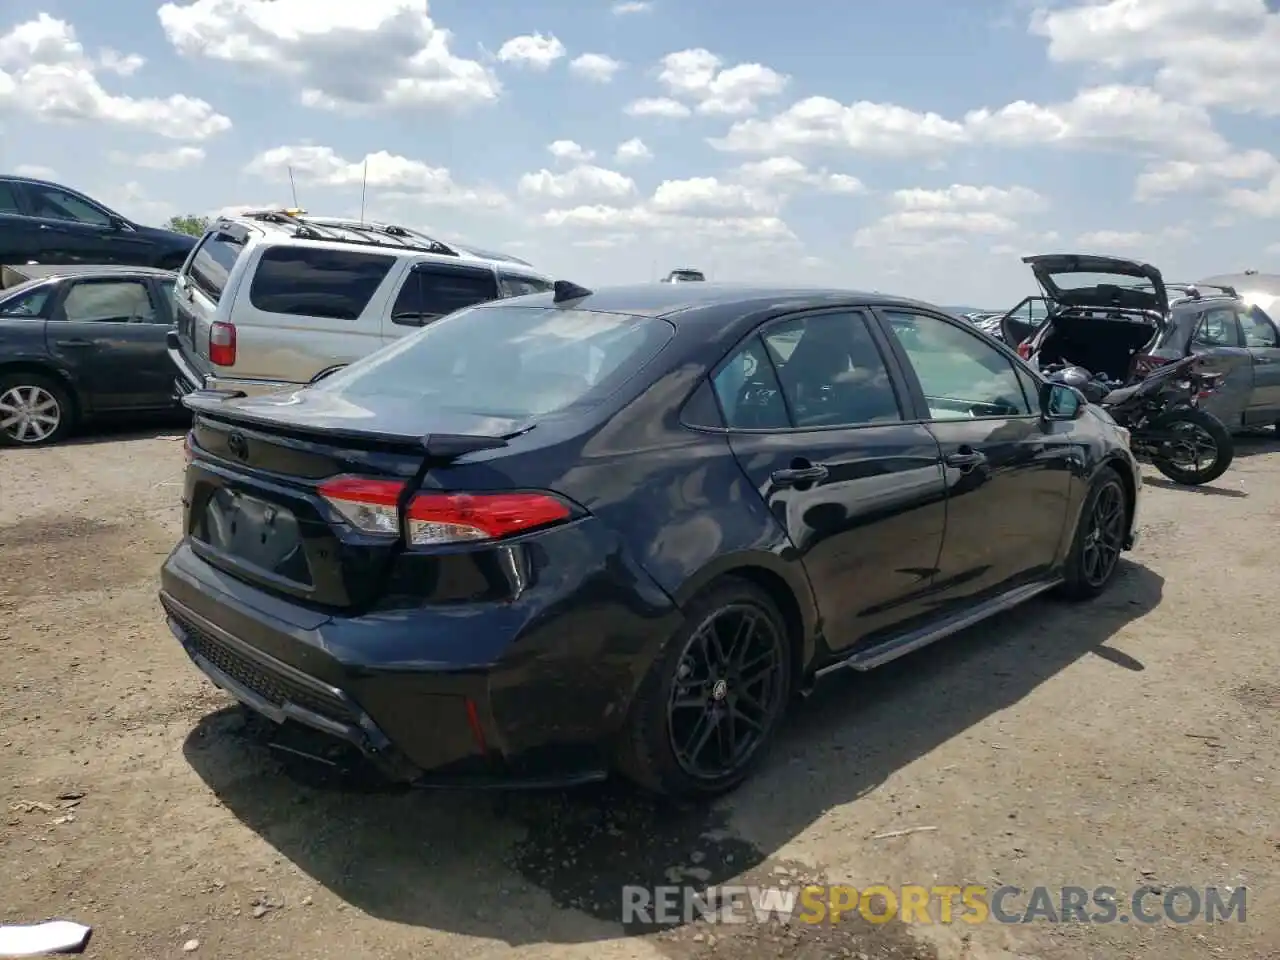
[(1191, 291), (337, 230)]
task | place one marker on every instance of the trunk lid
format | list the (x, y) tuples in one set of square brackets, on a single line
[(1101, 282), (254, 506)]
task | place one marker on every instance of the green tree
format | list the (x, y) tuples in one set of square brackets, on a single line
[(189, 224)]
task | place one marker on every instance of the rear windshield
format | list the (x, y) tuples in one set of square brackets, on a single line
[(1085, 281), (317, 282), (514, 362), (211, 265)]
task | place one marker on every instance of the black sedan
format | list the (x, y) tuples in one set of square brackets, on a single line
[(43, 222), (83, 343), (546, 538)]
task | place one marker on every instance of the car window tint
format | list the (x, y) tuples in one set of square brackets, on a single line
[(500, 360), (102, 301), (748, 390), (519, 286), (428, 294), (1259, 331), (316, 282), (961, 374), (1218, 327), (56, 204), (8, 198), (30, 304), (212, 263), (831, 371)]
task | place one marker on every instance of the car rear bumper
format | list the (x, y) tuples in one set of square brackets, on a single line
[(188, 378), (392, 685)]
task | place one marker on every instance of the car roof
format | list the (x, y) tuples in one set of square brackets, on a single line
[(43, 271), (682, 303)]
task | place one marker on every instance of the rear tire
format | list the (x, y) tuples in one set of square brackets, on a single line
[(1199, 421), (35, 410), (1099, 538), (713, 699)]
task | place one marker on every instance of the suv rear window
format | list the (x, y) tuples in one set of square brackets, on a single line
[(521, 286), (316, 282), (506, 361), (212, 263), (433, 292)]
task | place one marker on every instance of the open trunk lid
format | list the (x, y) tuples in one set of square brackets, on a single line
[(259, 488), (1101, 283)]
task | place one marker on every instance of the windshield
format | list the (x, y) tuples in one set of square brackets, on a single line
[(509, 361)]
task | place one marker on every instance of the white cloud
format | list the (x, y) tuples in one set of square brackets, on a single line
[(45, 73), (1264, 202), (658, 107), (387, 173), (533, 50), (866, 127), (950, 216), (1128, 241), (570, 150), (740, 231), (958, 196), (584, 183), (631, 151), (709, 195), (1184, 177), (35, 171), (177, 158), (781, 173), (700, 75), (385, 53), (625, 7), (595, 67), (124, 64), (1216, 53)]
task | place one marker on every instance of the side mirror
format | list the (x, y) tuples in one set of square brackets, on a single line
[(120, 223), (1061, 402)]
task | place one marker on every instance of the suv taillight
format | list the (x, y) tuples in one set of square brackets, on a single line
[(1024, 349), (222, 344), (436, 519), (1144, 363)]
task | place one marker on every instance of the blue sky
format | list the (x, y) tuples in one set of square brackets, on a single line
[(918, 147)]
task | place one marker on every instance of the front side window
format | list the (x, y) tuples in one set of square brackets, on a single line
[(429, 293), (1218, 328), (502, 360), (212, 263), (962, 375), (317, 282), (109, 301), (1258, 329), (55, 204), (521, 286)]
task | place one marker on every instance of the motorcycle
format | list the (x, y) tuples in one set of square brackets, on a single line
[(1162, 413)]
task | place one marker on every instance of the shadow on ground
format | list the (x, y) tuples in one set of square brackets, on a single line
[(139, 427), (431, 859), (1205, 491), (1253, 443)]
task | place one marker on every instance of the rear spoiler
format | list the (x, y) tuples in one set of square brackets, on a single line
[(436, 446)]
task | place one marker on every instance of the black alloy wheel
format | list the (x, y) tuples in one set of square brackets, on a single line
[(728, 690), (1105, 535)]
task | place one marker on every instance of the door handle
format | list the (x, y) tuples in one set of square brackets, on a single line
[(74, 343), (1261, 359), (794, 475), (966, 458)]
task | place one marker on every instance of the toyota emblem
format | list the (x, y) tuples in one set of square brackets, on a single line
[(238, 445)]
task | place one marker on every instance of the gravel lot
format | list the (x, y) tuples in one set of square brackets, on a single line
[(1130, 741)]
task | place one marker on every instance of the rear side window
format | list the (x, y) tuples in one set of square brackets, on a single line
[(212, 263), (429, 293), (316, 282), (8, 198), (518, 286), (505, 361), (29, 304), (1218, 327)]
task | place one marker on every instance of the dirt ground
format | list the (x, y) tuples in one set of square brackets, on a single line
[(1130, 741)]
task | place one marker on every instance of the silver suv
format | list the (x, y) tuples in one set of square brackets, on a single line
[(272, 299)]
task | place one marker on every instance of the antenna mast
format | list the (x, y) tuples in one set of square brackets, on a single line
[(293, 187), (364, 184)]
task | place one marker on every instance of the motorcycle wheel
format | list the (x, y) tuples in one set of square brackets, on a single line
[(1205, 434)]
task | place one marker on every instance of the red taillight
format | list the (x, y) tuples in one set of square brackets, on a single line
[(1024, 349), (222, 344), (432, 519), (1144, 363)]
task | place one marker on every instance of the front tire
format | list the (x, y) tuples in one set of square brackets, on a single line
[(1099, 538), (1206, 434), (712, 701), (35, 410)]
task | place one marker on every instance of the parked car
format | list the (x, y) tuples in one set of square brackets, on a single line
[(273, 299), (43, 222), (548, 537), (1117, 317), (685, 275), (83, 343)]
